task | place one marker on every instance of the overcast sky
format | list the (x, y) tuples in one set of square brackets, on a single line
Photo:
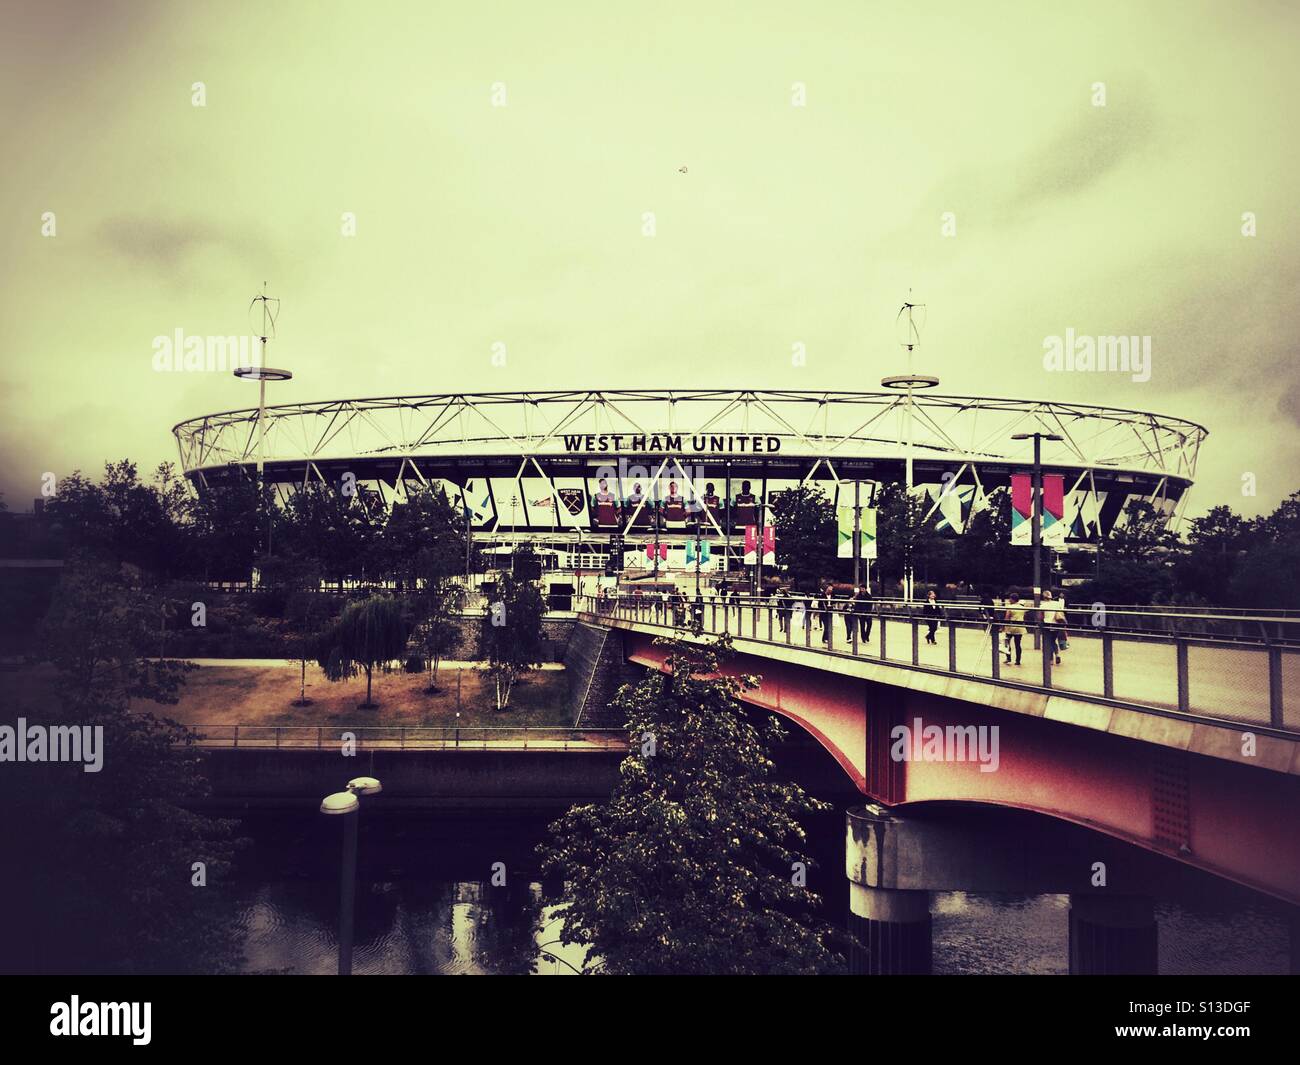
[(524, 224)]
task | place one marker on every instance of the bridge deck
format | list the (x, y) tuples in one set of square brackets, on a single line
[(1223, 680)]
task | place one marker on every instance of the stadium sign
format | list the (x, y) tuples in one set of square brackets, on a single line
[(660, 443)]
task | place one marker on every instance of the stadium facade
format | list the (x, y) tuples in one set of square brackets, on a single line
[(566, 469)]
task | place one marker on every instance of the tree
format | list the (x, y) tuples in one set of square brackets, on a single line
[(336, 530), (422, 549), (1216, 544), (510, 634), (370, 632), (121, 519), (806, 534), (230, 521), (306, 609), (985, 556), (687, 868), (906, 541), (438, 630), (423, 540), (1135, 563), (108, 859), (1268, 576)]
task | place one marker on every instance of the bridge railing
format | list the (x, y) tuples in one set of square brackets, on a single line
[(409, 737), (1237, 669)]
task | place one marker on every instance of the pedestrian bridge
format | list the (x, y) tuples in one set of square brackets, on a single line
[(1179, 733)]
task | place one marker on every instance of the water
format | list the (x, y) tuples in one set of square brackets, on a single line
[(1030, 934), (425, 904)]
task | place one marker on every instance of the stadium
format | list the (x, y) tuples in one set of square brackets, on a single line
[(567, 470)]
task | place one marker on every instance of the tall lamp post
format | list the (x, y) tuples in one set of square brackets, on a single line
[(261, 374), (909, 382), (1036, 516), (347, 805)]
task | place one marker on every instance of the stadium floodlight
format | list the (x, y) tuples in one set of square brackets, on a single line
[(909, 383)]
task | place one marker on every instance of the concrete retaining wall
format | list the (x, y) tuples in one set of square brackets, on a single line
[(597, 667), (519, 778)]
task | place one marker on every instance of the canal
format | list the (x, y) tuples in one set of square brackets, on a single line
[(426, 904)]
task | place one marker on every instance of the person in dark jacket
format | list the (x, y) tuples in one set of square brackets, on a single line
[(933, 613), (783, 606), (864, 607)]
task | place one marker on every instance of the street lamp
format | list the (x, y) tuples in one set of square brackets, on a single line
[(909, 382), (1036, 514), (344, 803), (261, 374)]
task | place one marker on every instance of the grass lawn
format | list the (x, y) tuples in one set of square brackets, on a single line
[(263, 694)]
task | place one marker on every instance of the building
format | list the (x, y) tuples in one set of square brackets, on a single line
[(567, 470)]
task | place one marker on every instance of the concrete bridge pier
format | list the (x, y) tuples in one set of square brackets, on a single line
[(891, 931), (895, 860), (1112, 935), (891, 927)]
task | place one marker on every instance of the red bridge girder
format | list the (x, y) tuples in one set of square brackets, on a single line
[(1233, 820)]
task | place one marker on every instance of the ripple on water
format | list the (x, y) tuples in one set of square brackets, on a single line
[(419, 926)]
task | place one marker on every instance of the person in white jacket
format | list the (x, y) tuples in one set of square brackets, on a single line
[(1053, 625)]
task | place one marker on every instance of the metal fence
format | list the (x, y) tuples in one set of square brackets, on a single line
[(411, 737), (1242, 669)]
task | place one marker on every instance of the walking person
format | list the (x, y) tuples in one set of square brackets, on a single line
[(799, 619), (1014, 616), (783, 605), (865, 608), (1053, 625), (848, 606), (933, 613), (828, 618)]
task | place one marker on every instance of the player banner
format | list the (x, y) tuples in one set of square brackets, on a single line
[(866, 533), (1054, 525)]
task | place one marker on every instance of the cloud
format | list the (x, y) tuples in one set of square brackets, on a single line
[(1096, 143), (164, 245)]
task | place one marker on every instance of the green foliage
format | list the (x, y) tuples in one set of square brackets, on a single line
[(438, 630), (510, 634), (423, 541), (984, 552), (338, 532), (687, 869), (308, 612), (806, 534), (904, 537), (370, 632), (100, 624), (107, 857)]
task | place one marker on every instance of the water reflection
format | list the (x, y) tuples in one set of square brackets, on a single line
[(409, 927), (426, 904)]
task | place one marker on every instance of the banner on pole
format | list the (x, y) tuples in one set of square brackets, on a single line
[(866, 531), (1054, 525), (751, 545), (703, 551)]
